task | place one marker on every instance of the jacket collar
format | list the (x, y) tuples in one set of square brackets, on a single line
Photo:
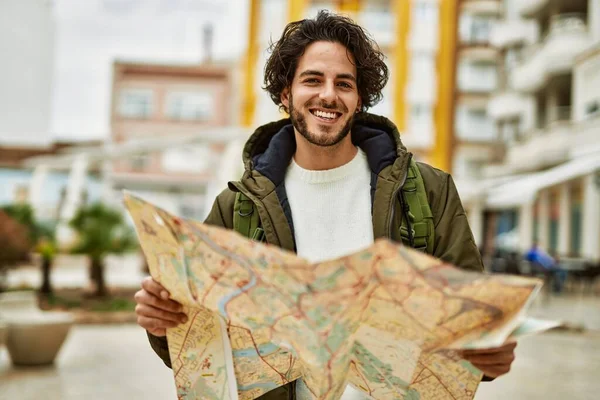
[(269, 150)]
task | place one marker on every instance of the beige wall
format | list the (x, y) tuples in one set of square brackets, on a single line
[(158, 124)]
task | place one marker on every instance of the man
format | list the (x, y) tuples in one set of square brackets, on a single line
[(547, 265), (325, 182)]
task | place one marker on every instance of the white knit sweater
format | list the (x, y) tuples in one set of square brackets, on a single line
[(331, 209)]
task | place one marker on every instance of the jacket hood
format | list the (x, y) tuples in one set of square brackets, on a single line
[(271, 147)]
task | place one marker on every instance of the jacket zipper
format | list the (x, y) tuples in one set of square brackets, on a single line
[(395, 194)]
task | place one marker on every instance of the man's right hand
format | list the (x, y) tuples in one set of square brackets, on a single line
[(155, 311)]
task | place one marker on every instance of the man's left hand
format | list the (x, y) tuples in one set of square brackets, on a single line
[(492, 362)]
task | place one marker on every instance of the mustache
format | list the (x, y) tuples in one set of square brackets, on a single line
[(329, 106)]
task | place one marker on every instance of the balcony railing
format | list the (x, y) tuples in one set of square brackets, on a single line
[(567, 23), (561, 24)]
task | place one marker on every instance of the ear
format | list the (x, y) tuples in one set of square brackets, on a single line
[(285, 98), (359, 105)]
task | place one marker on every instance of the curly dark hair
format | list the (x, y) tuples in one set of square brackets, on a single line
[(281, 66)]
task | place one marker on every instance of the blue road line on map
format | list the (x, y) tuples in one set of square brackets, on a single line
[(265, 349), (235, 293)]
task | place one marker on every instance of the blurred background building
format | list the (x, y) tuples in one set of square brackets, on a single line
[(501, 93), (26, 93), (545, 113), (168, 103), (418, 40)]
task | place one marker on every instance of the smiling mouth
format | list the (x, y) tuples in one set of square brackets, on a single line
[(326, 116)]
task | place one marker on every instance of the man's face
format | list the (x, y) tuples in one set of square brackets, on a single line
[(323, 96)]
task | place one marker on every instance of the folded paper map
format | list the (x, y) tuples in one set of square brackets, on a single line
[(387, 320)]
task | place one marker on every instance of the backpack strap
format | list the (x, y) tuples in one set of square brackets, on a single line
[(245, 218), (417, 229)]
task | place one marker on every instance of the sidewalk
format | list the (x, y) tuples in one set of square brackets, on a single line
[(116, 363)]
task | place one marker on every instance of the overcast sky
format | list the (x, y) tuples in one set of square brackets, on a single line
[(91, 34)]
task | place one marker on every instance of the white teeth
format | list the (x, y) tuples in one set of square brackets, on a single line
[(324, 114)]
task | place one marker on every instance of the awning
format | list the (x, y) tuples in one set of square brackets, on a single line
[(476, 190), (522, 191), (168, 140)]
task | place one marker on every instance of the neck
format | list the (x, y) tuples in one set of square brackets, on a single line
[(319, 158)]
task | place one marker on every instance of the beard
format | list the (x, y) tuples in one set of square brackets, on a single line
[(327, 138)]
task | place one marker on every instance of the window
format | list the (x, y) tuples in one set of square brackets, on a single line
[(477, 77), (379, 20), (421, 118), (139, 162), (480, 30), (189, 106), (135, 103), (475, 29), (425, 13), (473, 124), (422, 68)]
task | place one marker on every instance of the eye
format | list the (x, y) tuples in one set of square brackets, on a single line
[(312, 81), (345, 85)]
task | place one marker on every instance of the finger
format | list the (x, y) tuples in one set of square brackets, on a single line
[(158, 332), (154, 323), (494, 371), (496, 359), (145, 297), (506, 347), (153, 312), (155, 288)]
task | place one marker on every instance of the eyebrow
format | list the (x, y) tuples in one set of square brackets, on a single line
[(310, 72)]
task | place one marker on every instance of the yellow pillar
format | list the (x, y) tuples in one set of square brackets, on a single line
[(296, 10), (350, 7), (249, 99), (400, 57), (442, 154)]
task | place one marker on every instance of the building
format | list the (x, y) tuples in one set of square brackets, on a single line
[(26, 81), (47, 197), (547, 187), (164, 102), (475, 141), (418, 39), (26, 75)]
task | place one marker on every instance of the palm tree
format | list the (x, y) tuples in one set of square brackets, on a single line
[(101, 231), (15, 244), (41, 236), (47, 249)]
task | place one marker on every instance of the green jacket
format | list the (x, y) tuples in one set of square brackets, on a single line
[(266, 157)]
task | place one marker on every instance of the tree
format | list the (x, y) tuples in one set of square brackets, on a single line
[(15, 244), (41, 236), (101, 231)]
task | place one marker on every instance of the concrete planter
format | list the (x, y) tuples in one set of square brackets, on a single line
[(34, 337)]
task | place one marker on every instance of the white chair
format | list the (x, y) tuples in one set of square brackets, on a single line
[(34, 337)]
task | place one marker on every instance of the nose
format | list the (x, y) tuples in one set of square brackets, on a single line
[(328, 93)]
